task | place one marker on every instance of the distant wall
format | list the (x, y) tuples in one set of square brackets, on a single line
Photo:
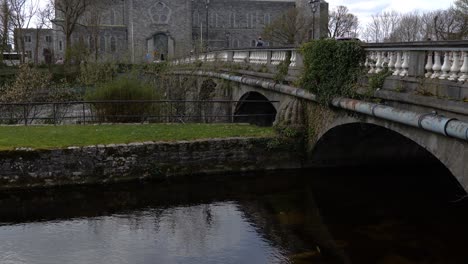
[(124, 162)]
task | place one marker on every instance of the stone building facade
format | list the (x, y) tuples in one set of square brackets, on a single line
[(148, 30)]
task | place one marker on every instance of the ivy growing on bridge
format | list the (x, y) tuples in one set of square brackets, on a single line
[(332, 68)]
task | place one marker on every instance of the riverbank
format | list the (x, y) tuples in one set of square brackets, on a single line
[(100, 164), (53, 137)]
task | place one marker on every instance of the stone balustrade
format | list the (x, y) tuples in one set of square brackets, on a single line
[(256, 56), (447, 60)]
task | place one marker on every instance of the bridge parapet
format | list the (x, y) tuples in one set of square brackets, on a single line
[(444, 60), (255, 56)]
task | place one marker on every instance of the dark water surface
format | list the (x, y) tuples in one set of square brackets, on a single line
[(354, 215)]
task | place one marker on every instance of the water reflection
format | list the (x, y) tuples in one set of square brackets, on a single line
[(307, 216)]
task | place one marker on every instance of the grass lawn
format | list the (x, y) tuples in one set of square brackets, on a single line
[(47, 137)]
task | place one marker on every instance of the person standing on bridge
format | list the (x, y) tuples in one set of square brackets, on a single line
[(259, 42)]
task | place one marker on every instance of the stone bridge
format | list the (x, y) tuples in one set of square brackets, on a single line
[(421, 114)]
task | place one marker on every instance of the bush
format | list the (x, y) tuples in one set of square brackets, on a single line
[(332, 68), (125, 88), (95, 73)]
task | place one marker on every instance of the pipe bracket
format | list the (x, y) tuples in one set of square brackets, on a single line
[(421, 118)]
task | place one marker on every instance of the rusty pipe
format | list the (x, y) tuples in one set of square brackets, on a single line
[(428, 121)]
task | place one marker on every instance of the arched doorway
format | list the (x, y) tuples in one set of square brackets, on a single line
[(159, 47), (258, 112)]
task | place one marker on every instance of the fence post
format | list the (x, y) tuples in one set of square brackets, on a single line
[(84, 114), (25, 115), (55, 113)]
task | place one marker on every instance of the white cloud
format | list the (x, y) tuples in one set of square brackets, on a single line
[(364, 9)]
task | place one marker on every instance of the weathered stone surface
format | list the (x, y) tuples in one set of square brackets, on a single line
[(114, 163)]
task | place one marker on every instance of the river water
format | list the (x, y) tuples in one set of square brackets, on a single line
[(353, 215)]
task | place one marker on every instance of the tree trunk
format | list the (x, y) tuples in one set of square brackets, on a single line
[(36, 48)]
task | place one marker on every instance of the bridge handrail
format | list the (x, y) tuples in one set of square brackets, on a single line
[(259, 56), (444, 60)]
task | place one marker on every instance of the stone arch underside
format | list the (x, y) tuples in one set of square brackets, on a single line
[(368, 140), (261, 112)]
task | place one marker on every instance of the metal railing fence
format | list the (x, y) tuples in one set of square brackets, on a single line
[(119, 111)]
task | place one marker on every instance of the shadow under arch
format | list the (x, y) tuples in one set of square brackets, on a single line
[(379, 148), (257, 113)]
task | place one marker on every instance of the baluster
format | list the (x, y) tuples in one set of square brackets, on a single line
[(366, 64), (437, 65), (405, 64), (391, 63), (397, 64), (371, 63), (385, 59), (464, 68), (429, 65), (378, 64), (455, 67), (446, 66)]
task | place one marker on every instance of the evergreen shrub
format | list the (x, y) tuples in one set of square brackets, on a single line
[(124, 88), (332, 68)]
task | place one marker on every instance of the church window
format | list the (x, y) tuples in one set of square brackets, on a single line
[(102, 44), (196, 19), (267, 19), (160, 13), (235, 43), (91, 43), (60, 45), (48, 39), (112, 17), (113, 44), (232, 20), (81, 40)]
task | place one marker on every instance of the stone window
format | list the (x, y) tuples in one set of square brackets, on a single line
[(48, 39), (251, 20), (196, 19), (112, 17), (113, 44), (235, 43), (27, 38), (102, 44), (60, 45), (91, 43), (232, 20), (160, 13), (29, 54), (253, 43), (267, 19)]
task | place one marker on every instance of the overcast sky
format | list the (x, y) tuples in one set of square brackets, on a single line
[(363, 9)]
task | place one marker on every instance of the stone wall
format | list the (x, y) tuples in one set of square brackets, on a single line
[(234, 24), (150, 160)]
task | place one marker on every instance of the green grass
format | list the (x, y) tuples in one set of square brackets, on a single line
[(50, 137)]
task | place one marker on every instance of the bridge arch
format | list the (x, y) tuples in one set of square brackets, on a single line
[(361, 143), (258, 112)]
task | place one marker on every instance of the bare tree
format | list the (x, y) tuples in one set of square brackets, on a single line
[(381, 26), (69, 13), (341, 23), (21, 14), (93, 26), (410, 28), (448, 25), (43, 19), (5, 26), (292, 27)]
